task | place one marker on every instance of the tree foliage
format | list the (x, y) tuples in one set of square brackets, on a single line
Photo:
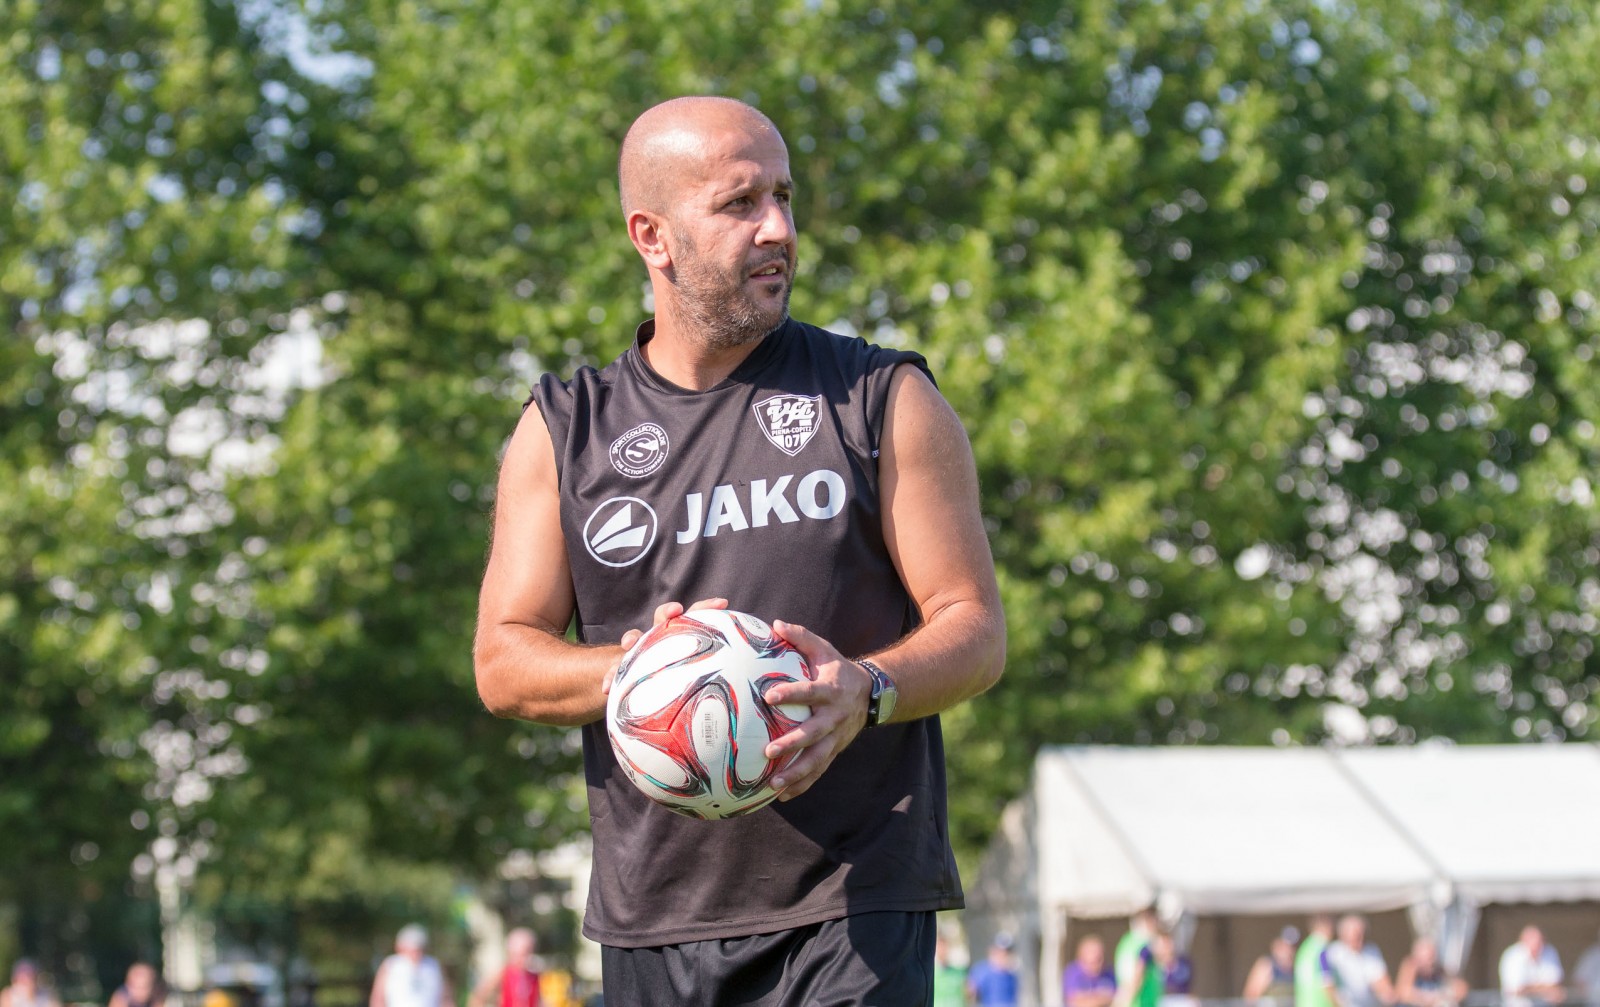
[(1272, 326)]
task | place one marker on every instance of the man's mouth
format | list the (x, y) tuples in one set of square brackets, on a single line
[(769, 271)]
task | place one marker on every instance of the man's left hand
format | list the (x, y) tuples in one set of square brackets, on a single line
[(838, 701)]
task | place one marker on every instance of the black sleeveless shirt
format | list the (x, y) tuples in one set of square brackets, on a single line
[(762, 490)]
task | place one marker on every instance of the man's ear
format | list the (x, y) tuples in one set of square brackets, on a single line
[(648, 232)]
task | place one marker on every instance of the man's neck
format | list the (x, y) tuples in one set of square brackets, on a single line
[(678, 356)]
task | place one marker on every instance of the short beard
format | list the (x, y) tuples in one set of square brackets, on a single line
[(717, 308)]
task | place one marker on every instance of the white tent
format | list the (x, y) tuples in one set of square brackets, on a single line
[(1265, 832)]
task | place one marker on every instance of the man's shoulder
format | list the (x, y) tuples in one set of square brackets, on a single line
[(853, 351)]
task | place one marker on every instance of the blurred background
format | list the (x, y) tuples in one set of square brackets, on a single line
[(1273, 327)]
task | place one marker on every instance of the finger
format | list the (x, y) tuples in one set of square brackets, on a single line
[(605, 683), (808, 767), (630, 638), (816, 650), (795, 633), (705, 603), (670, 610), (801, 692), (808, 733)]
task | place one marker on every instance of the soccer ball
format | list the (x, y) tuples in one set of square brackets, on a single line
[(687, 718)]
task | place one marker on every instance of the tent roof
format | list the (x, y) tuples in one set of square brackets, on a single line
[(1506, 823), (1264, 830), (1217, 830)]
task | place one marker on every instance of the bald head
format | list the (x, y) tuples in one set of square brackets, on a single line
[(667, 145)]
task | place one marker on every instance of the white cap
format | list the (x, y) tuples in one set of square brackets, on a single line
[(411, 936)]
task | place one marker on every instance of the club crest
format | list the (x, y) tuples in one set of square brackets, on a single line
[(789, 421)]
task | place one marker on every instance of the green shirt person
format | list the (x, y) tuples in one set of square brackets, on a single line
[(1313, 980), (1139, 981), (949, 979)]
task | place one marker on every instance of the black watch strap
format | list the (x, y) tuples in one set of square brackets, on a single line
[(881, 701)]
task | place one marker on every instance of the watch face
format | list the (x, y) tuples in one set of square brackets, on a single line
[(888, 695)]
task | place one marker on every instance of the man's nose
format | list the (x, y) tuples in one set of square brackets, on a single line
[(777, 226)]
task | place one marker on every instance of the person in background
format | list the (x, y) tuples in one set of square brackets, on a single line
[(1586, 975), (1421, 979), (1177, 972), (1087, 980), (1141, 928), (410, 977), (141, 987), (1272, 975), (1530, 971), (949, 979), (993, 982), (1359, 971), (517, 983), (1145, 984), (26, 990), (1313, 978)]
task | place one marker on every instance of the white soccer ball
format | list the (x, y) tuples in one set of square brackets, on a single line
[(686, 716)]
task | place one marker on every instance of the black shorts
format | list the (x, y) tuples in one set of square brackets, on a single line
[(866, 960)]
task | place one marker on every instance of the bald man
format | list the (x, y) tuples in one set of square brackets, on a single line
[(735, 457)]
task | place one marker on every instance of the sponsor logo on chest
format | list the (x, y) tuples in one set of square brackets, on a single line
[(622, 530), (640, 451)]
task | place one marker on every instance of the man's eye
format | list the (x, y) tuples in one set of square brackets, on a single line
[(784, 197)]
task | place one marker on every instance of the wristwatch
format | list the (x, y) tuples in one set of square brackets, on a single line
[(880, 705)]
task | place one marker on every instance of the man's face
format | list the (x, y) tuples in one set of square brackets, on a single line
[(732, 239), (1426, 954), (141, 982), (1091, 955)]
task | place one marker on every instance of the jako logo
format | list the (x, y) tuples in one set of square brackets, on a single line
[(640, 451), (819, 496), (620, 531)]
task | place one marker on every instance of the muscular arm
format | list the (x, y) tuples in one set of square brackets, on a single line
[(525, 666), (934, 531)]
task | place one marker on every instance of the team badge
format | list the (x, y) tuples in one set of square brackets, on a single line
[(620, 531), (789, 421), (640, 451)]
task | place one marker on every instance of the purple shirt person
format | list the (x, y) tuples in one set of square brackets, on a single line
[(1088, 982)]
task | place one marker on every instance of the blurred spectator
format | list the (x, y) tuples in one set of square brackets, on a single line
[(140, 988), (1586, 975), (1135, 943), (949, 979), (1145, 985), (1359, 972), (1313, 977), (1177, 972), (1530, 971), (1088, 981), (26, 989), (1421, 980), (1272, 976), (410, 977), (516, 983), (993, 982)]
